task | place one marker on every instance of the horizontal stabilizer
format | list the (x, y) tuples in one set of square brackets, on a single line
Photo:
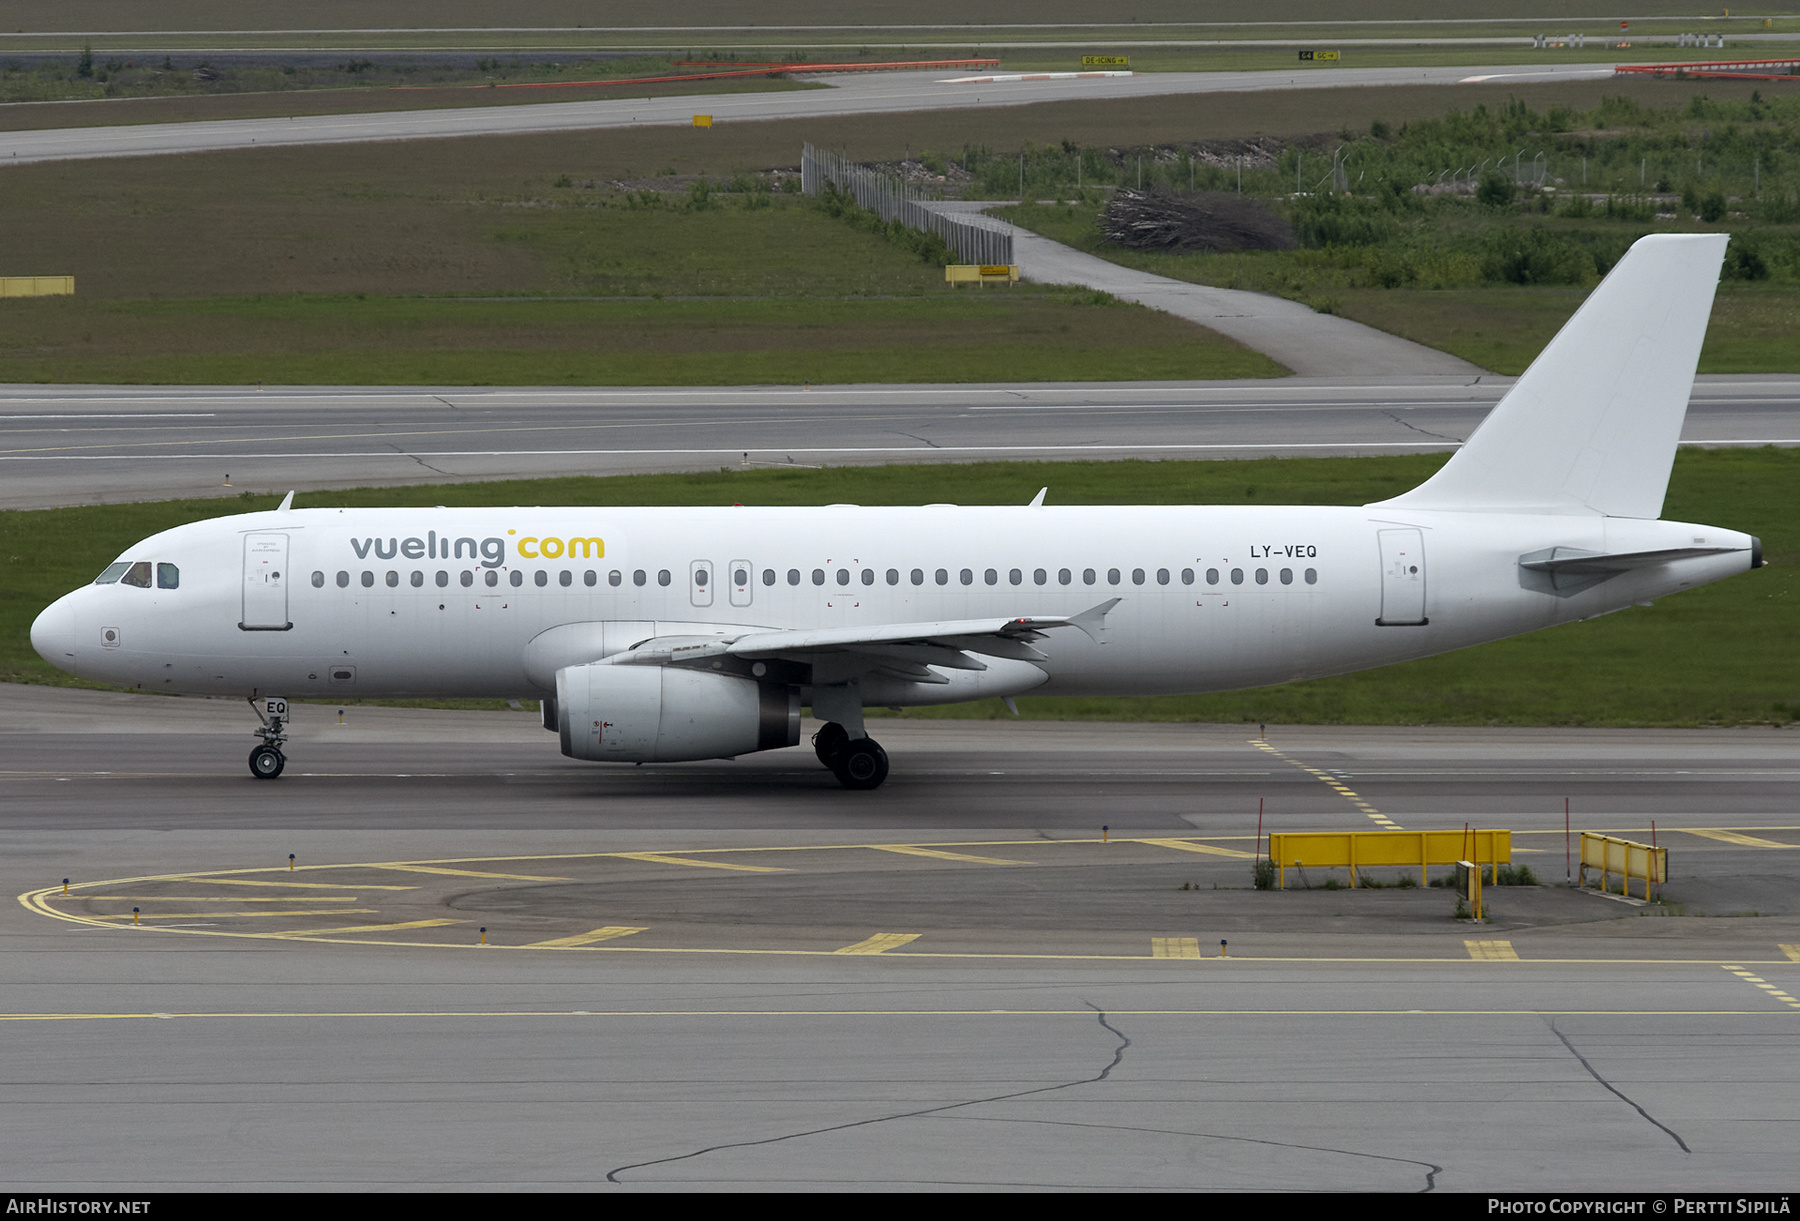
[(1569, 570), (1591, 426)]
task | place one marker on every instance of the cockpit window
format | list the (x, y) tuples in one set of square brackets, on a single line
[(113, 573), (138, 574), (168, 576)]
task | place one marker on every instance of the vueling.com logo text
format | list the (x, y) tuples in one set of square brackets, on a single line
[(491, 552)]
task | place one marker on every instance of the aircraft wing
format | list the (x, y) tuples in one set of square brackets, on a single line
[(947, 643)]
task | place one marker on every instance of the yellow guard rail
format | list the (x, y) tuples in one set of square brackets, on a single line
[(1363, 849)]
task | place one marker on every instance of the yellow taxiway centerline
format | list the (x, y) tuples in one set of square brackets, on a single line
[(600, 934), (880, 943), (940, 854)]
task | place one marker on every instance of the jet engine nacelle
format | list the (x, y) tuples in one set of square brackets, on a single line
[(663, 714)]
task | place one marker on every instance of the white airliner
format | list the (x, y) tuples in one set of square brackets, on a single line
[(661, 634)]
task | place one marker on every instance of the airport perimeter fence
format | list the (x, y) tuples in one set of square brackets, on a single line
[(893, 200)]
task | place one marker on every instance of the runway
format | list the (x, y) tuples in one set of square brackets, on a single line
[(871, 93), (84, 445), (737, 976)]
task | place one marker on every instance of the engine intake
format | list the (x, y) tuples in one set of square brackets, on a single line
[(663, 714)]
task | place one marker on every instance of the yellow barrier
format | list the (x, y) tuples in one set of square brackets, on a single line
[(1363, 849), (702, 120), (980, 273), (1625, 858), (37, 286)]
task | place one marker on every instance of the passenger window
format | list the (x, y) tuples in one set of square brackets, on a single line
[(1262, 576), (1112, 576), (613, 578), (418, 579), (540, 578), (516, 577), (741, 577), (113, 573), (1187, 576), (368, 579), (1087, 576), (893, 576), (1162, 576), (941, 576), (638, 577), (1014, 576), (138, 574), (1287, 576), (1064, 576), (918, 576), (1212, 576), (443, 578), (868, 576), (318, 580), (343, 579), (468, 579), (793, 576), (843, 576), (818, 576), (701, 576), (991, 577), (967, 576), (1137, 576), (393, 579), (1039, 576), (768, 576), (1237, 576), (591, 578), (565, 578), (491, 577), (1312, 576), (662, 576)]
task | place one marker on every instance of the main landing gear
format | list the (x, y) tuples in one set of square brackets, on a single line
[(858, 763), (267, 761)]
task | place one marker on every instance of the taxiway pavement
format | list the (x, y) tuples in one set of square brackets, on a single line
[(64, 445), (738, 976)]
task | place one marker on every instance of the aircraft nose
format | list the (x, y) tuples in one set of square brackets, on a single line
[(53, 633)]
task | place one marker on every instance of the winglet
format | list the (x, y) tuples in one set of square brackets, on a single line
[(1092, 621), (1037, 502), (287, 502)]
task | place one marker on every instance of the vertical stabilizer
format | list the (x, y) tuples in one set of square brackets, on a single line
[(1592, 425)]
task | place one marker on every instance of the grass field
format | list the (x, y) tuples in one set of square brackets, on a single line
[(693, 288), (949, 337), (420, 216), (177, 259), (1755, 327), (1725, 654)]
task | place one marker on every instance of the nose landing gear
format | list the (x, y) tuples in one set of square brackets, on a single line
[(267, 761)]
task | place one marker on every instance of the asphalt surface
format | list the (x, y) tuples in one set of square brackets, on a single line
[(64, 445), (871, 93), (738, 976)]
